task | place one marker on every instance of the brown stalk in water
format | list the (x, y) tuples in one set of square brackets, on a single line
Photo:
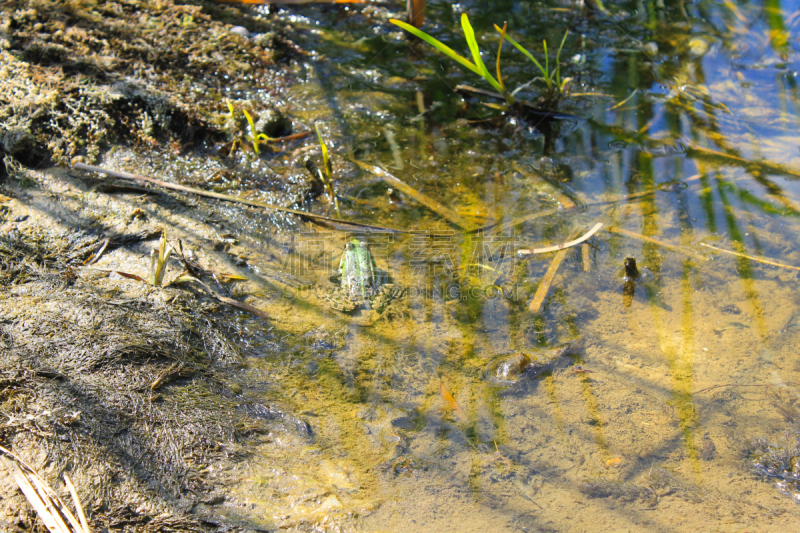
[(331, 222), (421, 198), (547, 280), (48, 505), (752, 258)]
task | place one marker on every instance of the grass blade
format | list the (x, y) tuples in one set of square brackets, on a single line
[(326, 156), (253, 134), (446, 50), (522, 49), (77, 502), (472, 43), (558, 59), (326, 160), (35, 500), (500, 49), (546, 63)]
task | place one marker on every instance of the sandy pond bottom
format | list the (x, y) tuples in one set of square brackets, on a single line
[(388, 424), (685, 388)]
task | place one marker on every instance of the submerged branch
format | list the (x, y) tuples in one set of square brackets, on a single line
[(672, 247), (408, 190), (752, 258), (544, 286)]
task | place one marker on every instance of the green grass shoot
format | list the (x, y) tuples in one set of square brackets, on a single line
[(158, 261), (327, 178), (550, 78), (252, 136), (499, 50), (478, 67), (555, 86)]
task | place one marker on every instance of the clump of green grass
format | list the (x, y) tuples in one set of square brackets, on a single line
[(556, 87)]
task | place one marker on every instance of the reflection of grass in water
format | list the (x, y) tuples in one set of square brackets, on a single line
[(706, 197), (679, 360), (743, 265)]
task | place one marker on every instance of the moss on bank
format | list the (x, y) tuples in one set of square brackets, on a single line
[(79, 75)]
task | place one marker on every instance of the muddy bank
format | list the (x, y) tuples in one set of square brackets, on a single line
[(79, 77), (132, 390), (129, 389)]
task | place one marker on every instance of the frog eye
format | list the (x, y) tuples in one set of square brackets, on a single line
[(348, 246)]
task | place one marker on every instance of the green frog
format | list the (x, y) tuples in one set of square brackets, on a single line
[(361, 282)]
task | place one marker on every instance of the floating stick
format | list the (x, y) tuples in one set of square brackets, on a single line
[(547, 280), (587, 265)]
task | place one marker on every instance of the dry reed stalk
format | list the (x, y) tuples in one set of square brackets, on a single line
[(752, 258)]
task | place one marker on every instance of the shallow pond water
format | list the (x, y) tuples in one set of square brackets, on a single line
[(685, 135)]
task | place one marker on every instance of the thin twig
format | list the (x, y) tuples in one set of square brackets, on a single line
[(585, 237), (496, 228), (691, 253), (733, 385), (587, 265), (224, 299), (408, 190), (77, 502), (96, 257), (332, 222), (623, 102), (759, 260), (547, 280)]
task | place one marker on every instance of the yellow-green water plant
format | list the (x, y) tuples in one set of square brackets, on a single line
[(478, 67), (327, 177), (252, 136), (158, 261), (555, 85)]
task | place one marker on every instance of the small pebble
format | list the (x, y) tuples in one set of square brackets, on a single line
[(240, 30)]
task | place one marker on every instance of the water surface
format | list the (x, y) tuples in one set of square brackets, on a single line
[(685, 135)]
